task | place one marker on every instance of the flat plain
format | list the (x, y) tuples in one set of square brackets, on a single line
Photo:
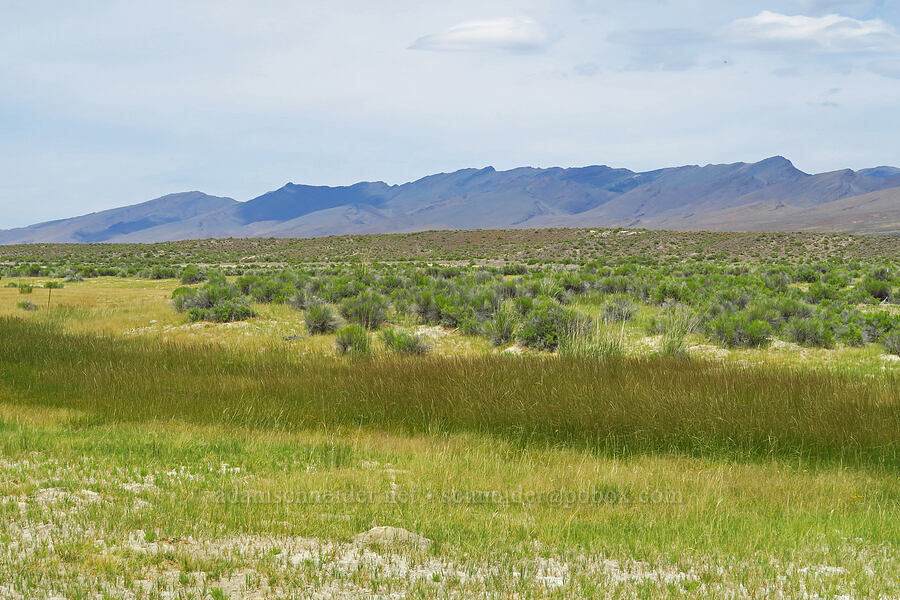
[(522, 414)]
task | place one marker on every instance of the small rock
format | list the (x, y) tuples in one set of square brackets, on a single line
[(782, 345), (824, 570), (435, 332), (90, 496), (513, 350), (392, 536), (552, 580)]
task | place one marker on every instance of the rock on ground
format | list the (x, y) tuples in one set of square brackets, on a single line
[(392, 536)]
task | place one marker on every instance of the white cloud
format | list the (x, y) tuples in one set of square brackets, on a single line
[(830, 33), (516, 34)]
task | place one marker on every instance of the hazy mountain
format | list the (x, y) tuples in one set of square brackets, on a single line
[(768, 195), (110, 224), (876, 212), (880, 172)]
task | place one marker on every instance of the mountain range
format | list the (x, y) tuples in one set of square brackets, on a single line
[(770, 195)]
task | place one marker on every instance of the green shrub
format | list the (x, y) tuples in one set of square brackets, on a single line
[(513, 269), (819, 292), (266, 289), (25, 288), (739, 330), (808, 274), (506, 289), (225, 311), (403, 342), (891, 342), (810, 332), (53, 285), (456, 310), (204, 297), (788, 308), (669, 290), (320, 319), (851, 334), (426, 308), (182, 298), (618, 309), (547, 287), (26, 305), (217, 301), (878, 289), (368, 309), (546, 323), (160, 272), (501, 329), (523, 305), (354, 340), (192, 274), (298, 300)]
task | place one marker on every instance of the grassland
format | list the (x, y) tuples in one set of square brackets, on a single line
[(144, 455)]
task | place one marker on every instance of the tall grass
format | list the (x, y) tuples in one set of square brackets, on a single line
[(675, 328), (619, 406), (602, 342)]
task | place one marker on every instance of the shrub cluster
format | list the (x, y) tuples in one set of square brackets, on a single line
[(218, 301), (354, 340), (320, 320), (403, 342), (735, 305)]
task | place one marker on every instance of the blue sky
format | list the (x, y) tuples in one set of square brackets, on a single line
[(110, 103)]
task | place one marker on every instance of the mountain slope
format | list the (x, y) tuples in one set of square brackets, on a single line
[(770, 194), (109, 224), (875, 212)]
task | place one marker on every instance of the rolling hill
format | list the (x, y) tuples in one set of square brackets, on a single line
[(768, 195)]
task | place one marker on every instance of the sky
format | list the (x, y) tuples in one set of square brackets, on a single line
[(104, 103)]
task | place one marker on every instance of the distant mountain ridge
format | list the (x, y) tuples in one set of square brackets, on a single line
[(768, 195)]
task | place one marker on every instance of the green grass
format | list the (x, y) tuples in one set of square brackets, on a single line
[(650, 405), (161, 467), (180, 504)]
